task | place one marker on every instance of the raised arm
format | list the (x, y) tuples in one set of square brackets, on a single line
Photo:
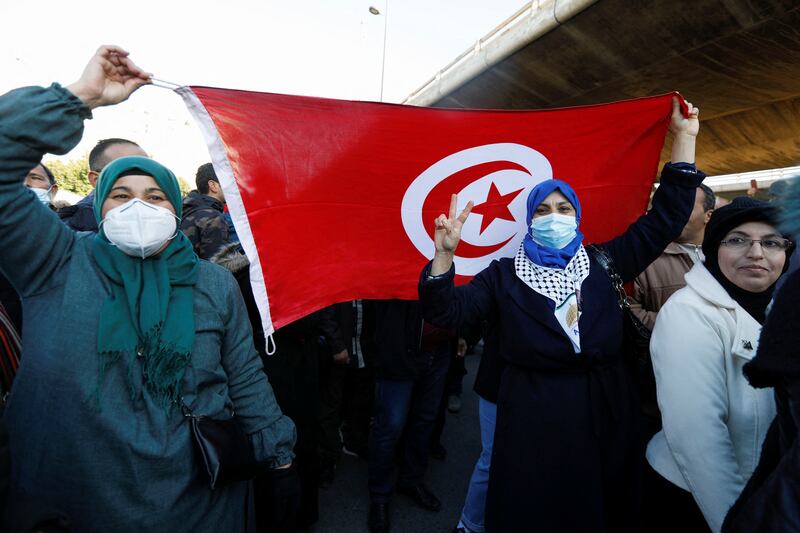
[(645, 239), (35, 121), (443, 304)]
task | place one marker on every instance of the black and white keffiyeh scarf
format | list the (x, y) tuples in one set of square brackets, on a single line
[(556, 284), (561, 285)]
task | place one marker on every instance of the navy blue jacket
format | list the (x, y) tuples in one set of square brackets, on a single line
[(567, 435), (80, 216)]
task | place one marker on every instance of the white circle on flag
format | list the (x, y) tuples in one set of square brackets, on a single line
[(505, 182)]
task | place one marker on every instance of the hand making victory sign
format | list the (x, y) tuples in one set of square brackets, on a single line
[(448, 235)]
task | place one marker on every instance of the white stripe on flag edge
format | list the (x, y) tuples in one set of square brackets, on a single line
[(233, 198)]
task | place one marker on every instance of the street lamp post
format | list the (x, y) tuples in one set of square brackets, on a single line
[(375, 11)]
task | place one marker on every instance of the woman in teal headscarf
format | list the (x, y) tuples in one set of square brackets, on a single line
[(120, 328)]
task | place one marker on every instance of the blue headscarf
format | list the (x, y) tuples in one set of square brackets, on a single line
[(544, 255)]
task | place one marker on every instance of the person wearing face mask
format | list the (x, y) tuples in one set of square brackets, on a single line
[(567, 455), (80, 216), (122, 329), (41, 182), (714, 421)]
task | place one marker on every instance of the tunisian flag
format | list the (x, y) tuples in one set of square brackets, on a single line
[(335, 200)]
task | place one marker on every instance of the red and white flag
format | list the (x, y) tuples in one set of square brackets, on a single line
[(335, 200)]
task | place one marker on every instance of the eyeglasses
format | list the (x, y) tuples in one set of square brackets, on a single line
[(773, 245)]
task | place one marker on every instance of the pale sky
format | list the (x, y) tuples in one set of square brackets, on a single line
[(330, 48)]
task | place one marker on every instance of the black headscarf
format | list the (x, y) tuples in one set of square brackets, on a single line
[(740, 211)]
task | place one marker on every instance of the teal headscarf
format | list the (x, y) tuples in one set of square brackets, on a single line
[(149, 312)]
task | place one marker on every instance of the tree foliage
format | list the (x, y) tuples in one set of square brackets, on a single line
[(72, 175), (185, 188)]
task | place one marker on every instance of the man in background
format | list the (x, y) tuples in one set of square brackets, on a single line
[(203, 217), (80, 216), (665, 275), (42, 182)]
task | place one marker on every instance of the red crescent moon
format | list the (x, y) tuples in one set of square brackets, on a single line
[(438, 201)]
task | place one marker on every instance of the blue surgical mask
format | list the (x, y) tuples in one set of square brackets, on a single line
[(554, 231), (42, 194)]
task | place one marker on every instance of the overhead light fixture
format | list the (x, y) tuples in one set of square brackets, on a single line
[(374, 10)]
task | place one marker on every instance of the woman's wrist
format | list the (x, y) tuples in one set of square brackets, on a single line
[(83, 94), (683, 148), (442, 261)]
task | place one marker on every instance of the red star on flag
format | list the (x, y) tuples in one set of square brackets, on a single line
[(495, 206)]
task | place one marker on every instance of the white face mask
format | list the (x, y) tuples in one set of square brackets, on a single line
[(42, 194), (138, 228)]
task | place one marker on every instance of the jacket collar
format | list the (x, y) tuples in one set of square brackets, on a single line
[(196, 199), (535, 306), (704, 284), (674, 248), (746, 334)]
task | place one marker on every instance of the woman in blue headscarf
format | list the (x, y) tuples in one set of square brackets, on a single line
[(567, 453), (122, 328)]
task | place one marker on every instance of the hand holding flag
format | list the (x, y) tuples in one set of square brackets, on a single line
[(684, 129), (109, 78)]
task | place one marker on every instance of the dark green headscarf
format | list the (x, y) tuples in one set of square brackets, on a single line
[(149, 311)]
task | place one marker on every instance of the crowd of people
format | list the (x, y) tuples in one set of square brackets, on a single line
[(133, 359)]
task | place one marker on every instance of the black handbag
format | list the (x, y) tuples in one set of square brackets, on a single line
[(636, 339), (225, 452)]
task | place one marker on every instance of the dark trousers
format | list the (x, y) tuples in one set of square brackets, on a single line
[(667, 508), (452, 385), (346, 397), (293, 372), (410, 407), (359, 395), (331, 390)]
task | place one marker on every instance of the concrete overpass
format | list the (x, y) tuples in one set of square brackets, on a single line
[(738, 60)]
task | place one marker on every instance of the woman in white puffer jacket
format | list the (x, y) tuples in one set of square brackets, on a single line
[(714, 422)]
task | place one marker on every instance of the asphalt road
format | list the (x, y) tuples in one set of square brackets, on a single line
[(344, 506)]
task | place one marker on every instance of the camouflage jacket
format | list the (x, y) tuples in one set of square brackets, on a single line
[(204, 224)]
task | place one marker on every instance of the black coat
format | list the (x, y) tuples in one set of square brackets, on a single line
[(770, 502), (346, 318), (396, 341), (395, 336), (567, 453), (490, 370), (80, 216)]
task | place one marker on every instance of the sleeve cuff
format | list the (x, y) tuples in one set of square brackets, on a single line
[(427, 278), (274, 444), (336, 347), (682, 175), (74, 103)]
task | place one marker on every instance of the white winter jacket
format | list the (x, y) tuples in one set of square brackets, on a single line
[(714, 421)]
